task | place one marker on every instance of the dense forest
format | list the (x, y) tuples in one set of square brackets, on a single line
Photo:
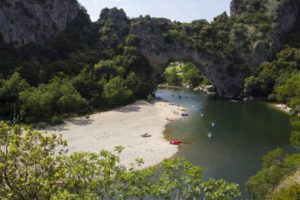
[(72, 73), (99, 67)]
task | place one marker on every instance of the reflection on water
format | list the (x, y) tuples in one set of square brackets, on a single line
[(243, 133)]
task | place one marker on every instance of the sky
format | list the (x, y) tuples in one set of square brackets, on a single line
[(175, 10)]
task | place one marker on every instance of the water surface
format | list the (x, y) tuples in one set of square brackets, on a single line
[(243, 133)]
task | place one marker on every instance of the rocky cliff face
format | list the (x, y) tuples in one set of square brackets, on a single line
[(34, 21), (283, 16)]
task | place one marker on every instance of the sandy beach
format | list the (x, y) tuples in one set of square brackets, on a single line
[(123, 126), (282, 107)]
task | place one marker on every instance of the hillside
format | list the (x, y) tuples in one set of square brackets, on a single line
[(94, 58)]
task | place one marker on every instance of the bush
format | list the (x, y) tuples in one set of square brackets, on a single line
[(116, 92)]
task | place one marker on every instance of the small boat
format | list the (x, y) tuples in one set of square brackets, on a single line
[(170, 120), (184, 114), (175, 142), (173, 94), (213, 124), (209, 135), (146, 135), (234, 100)]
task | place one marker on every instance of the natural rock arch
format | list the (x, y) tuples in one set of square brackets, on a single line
[(225, 85), (226, 71)]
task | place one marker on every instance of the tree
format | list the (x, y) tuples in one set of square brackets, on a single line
[(192, 75), (253, 86), (276, 165), (107, 69), (87, 85), (9, 94), (290, 91), (30, 163), (116, 92), (173, 78), (47, 100)]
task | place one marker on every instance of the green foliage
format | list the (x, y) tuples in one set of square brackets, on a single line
[(186, 73), (295, 139), (274, 75), (192, 75), (172, 78), (116, 92), (276, 165), (290, 92), (132, 40), (108, 69), (55, 98), (286, 193), (88, 86), (295, 134), (253, 86), (35, 166), (9, 94), (30, 163)]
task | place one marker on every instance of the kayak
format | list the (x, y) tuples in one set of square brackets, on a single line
[(146, 135), (170, 120), (175, 142)]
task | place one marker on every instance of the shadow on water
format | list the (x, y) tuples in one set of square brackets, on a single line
[(243, 133)]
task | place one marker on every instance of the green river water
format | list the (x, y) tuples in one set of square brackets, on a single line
[(243, 133)]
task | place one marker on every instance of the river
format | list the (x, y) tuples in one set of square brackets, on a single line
[(243, 133)]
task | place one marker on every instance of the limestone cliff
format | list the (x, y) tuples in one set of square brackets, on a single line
[(281, 17), (34, 21)]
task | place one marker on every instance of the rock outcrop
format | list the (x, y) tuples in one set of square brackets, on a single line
[(34, 21), (283, 16)]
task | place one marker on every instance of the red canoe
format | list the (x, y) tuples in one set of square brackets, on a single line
[(170, 120), (175, 142)]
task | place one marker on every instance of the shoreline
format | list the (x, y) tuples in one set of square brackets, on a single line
[(123, 126), (281, 107)]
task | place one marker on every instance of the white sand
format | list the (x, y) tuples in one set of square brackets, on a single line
[(123, 126)]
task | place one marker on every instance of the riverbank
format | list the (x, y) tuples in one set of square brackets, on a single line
[(123, 126), (282, 107)]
